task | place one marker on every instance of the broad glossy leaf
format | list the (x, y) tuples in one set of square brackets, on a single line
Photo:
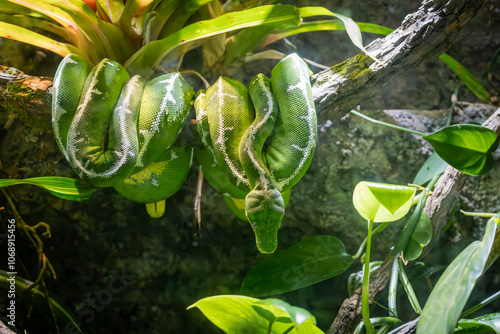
[(24, 35), (491, 321), (309, 261), (448, 298), (380, 202), (147, 58), (63, 187), (37, 298), (433, 166), (298, 315), (233, 314), (466, 147)]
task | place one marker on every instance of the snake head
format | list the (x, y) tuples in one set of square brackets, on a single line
[(265, 209)]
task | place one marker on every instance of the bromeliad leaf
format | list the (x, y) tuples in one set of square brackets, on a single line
[(380, 202), (66, 188), (148, 57), (466, 147), (309, 261), (448, 298), (27, 36)]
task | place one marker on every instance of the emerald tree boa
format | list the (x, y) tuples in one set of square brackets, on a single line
[(119, 131)]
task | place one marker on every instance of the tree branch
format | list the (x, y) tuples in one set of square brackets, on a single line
[(423, 35)]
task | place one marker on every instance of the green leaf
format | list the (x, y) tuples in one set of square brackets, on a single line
[(24, 35), (466, 147), (380, 202), (233, 314), (111, 10), (63, 187), (147, 58), (448, 298), (355, 280), (351, 27), (309, 261), (416, 234), (467, 77), (297, 315), (36, 297), (491, 321), (433, 166)]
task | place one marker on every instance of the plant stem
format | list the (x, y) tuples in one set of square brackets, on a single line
[(365, 303), (392, 126), (393, 289), (478, 214), (378, 229), (480, 305)]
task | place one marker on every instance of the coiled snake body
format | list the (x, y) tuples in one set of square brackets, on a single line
[(119, 131), (234, 125)]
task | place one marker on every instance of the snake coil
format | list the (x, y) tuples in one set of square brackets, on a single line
[(118, 131), (234, 125)]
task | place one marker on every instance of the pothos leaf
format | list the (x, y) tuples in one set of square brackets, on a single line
[(380, 202), (466, 147)]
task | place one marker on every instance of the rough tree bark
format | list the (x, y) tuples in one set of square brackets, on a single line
[(422, 36)]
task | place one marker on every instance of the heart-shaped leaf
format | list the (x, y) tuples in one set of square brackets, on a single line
[(309, 261), (380, 202), (466, 147), (233, 313)]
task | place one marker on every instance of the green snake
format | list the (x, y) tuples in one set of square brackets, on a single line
[(119, 131), (116, 130), (234, 125)]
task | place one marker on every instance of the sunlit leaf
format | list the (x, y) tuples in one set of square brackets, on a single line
[(110, 10), (380, 202), (466, 147), (179, 17), (297, 315), (233, 314), (351, 27), (309, 261), (433, 166), (147, 58), (448, 297), (63, 187), (488, 321), (24, 35), (37, 298)]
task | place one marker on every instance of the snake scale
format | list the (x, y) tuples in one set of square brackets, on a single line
[(119, 131)]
